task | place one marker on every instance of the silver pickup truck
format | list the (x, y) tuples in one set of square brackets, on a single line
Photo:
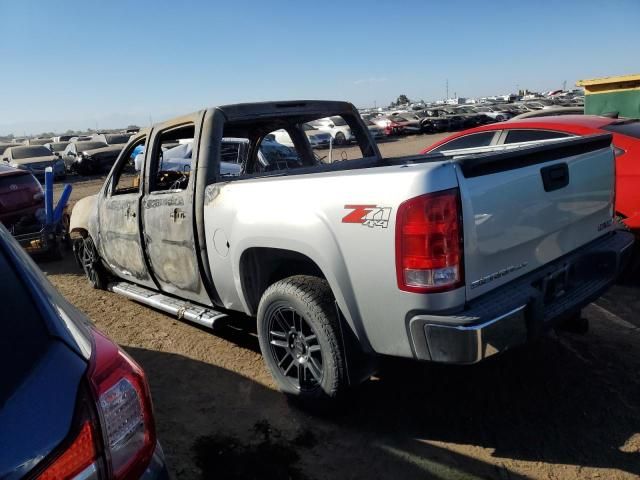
[(342, 254)]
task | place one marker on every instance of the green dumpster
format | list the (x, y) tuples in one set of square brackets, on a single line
[(612, 94)]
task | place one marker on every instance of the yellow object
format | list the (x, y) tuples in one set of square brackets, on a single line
[(610, 84)]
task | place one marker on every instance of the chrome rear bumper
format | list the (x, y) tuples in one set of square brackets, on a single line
[(523, 309)]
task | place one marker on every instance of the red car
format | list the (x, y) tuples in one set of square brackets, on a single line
[(20, 195), (626, 140)]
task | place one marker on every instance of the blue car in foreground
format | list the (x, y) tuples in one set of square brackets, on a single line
[(73, 405)]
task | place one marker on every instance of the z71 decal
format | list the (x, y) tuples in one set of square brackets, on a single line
[(368, 215)]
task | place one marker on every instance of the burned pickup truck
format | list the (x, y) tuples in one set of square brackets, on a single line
[(438, 258)]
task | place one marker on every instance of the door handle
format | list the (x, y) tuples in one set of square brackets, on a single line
[(130, 213), (555, 177), (177, 215)]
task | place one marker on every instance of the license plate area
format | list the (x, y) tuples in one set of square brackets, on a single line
[(556, 284)]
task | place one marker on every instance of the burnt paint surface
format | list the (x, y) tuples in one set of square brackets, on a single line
[(120, 238), (170, 244)]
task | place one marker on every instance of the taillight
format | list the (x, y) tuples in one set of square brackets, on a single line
[(124, 408), (429, 254), (119, 441), (79, 456)]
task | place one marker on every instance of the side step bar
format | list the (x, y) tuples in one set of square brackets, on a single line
[(182, 309)]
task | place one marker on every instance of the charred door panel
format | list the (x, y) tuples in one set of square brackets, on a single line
[(170, 244), (168, 213), (120, 238)]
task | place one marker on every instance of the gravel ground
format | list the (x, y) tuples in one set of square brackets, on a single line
[(565, 407)]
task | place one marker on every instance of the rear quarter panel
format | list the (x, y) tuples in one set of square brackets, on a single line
[(305, 214)]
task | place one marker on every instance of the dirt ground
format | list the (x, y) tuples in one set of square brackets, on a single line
[(566, 407)]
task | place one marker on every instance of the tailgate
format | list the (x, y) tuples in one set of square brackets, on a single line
[(525, 208)]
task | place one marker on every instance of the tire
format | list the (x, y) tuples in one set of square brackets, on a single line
[(88, 258), (340, 139), (301, 341)]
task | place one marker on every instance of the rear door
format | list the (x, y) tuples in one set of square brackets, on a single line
[(472, 140), (523, 208), (119, 212), (168, 212)]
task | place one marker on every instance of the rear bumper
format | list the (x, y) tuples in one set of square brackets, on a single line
[(523, 309), (39, 240)]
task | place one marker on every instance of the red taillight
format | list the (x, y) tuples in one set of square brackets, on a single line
[(117, 434), (124, 407), (429, 243), (78, 456)]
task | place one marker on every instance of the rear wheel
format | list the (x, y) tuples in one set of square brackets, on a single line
[(301, 341), (340, 139), (88, 258)]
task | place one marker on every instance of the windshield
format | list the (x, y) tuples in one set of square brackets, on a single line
[(116, 139), (39, 141), (80, 146), (273, 152), (29, 152), (58, 147), (338, 121), (306, 127)]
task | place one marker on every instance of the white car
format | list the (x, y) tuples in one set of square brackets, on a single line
[(317, 138), (179, 159), (493, 112), (337, 127), (376, 131)]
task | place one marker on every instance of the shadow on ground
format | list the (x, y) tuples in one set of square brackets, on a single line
[(66, 266), (555, 403)]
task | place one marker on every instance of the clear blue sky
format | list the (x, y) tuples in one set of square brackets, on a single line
[(78, 64)]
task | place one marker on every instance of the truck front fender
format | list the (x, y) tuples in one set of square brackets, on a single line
[(83, 218)]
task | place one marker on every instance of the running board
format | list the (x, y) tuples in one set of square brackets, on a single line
[(182, 309)]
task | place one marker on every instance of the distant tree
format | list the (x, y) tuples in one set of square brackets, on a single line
[(402, 100)]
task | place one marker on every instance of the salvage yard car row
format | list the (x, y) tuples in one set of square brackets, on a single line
[(83, 155)]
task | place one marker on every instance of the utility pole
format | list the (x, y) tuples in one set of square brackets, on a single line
[(564, 85)]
